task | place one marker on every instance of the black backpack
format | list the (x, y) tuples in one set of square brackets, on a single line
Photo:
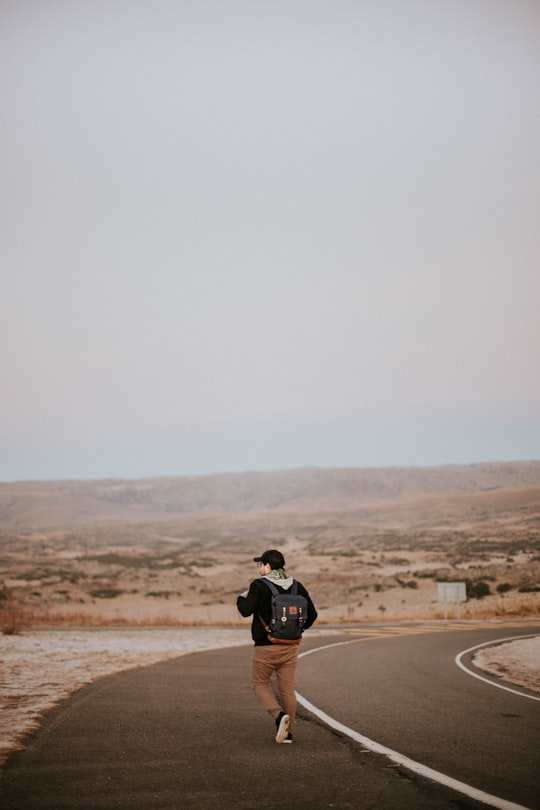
[(289, 612)]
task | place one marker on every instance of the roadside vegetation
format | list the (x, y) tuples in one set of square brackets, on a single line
[(362, 561)]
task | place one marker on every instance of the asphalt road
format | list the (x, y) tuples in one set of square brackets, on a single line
[(407, 693), (189, 734)]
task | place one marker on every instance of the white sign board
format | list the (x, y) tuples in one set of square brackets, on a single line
[(451, 592)]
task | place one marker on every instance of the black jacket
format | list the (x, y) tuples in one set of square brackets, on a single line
[(258, 601)]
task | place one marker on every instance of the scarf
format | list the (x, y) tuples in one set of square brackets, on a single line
[(279, 577)]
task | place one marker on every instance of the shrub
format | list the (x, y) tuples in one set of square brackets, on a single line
[(410, 583), (477, 590), (11, 616), (504, 587), (105, 593)]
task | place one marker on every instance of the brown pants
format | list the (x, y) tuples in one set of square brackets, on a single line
[(281, 659)]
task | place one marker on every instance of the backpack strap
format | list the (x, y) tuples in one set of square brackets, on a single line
[(271, 586)]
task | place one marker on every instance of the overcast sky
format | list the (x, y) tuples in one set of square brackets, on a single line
[(262, 234)]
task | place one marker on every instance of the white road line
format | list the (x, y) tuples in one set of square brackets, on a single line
[(462, 666), (400, 759)]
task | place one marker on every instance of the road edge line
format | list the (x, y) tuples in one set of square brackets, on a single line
[(395, 756), (496, 643)]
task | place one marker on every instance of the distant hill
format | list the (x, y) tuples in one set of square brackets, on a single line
[(61, 505)]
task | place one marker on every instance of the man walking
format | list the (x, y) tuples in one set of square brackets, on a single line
[(269, 657)]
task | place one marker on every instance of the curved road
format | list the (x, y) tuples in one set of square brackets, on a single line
[(406, 693), (188, 733)]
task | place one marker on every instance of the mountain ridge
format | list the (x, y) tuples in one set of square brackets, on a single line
[(57, 505)]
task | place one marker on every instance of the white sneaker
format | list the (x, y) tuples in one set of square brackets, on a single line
[(282, 727)]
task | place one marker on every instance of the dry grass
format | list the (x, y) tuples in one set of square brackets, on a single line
[(384, 607)]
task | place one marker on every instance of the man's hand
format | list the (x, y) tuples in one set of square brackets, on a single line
[(244, 594)]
